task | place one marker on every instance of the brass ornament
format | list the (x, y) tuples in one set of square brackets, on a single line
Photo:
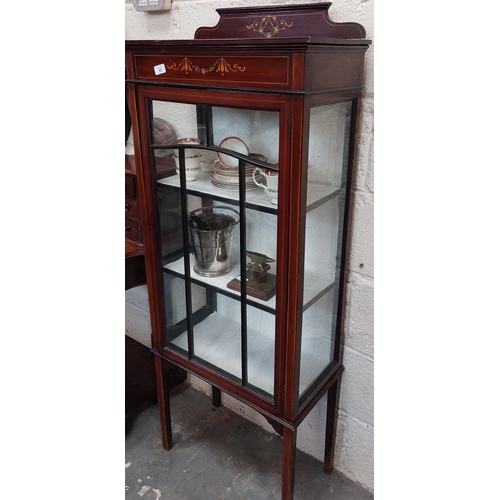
[(269, 26), (219, 66)]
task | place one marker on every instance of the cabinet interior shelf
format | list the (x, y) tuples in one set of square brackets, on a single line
[(219, 283), (319, 284), (317, 194), (255, 198)]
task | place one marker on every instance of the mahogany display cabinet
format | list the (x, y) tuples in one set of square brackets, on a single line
[(245, 145)]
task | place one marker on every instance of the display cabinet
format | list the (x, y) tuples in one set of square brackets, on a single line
[(245, 141)]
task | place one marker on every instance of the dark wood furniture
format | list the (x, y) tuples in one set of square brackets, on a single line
[(135, 268), (140, 381), (140, 378), (286, 80), (133, 231)]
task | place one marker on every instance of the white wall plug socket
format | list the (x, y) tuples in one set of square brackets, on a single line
[(152, 5)]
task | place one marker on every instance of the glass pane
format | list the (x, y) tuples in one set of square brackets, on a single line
[(214, 232), (182, 118), (261, 253), (176, 312), (255, 131), (260, 350), (213, 260), (170, 213), (173, 122), (217, 340), (327, 171)]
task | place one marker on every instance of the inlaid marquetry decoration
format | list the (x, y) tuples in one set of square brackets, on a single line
[(269, 26), (219, 66)]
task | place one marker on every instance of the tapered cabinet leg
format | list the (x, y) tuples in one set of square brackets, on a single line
[(332, 411), (288, 465), (216, 396), (163, 402)]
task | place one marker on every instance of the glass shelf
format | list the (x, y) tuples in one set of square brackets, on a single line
[(317, 194), (255, 198), (219, 283), (318, 284)]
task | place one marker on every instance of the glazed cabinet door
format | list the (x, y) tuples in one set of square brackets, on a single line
[(214, 167)]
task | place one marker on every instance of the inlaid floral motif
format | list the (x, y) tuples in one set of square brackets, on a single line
[(269, 26), (219, 66)]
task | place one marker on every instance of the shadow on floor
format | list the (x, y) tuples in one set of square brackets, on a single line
[(218, 455)]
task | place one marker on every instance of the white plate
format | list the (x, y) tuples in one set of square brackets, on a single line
[(226, 179), (217, 182), (231, 171), (234, 144)]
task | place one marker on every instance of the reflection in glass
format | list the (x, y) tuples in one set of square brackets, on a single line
[(261, 252), (181, 117), (172, 122), (176, 312), (259, 130), (217, 341), (260, 349), (317, 339)]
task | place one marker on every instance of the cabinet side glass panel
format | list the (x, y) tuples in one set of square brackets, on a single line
[(327, 175)]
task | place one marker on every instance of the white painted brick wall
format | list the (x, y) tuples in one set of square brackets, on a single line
[(354, 447)]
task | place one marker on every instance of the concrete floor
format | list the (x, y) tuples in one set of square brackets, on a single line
[(218, 455)]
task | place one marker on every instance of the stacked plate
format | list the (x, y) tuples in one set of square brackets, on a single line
[(227, 177), (226, 173)]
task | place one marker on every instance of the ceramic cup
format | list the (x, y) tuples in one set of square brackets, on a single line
[(187, 140), (271, 185), (208, 160), (192, 164)]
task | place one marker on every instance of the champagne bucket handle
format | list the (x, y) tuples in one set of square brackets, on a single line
[(225, 208)]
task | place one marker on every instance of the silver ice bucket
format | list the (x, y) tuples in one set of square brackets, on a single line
[(211, 236)]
